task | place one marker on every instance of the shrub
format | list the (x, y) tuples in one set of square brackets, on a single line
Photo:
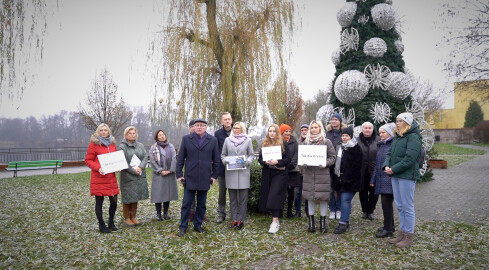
[(474, 115), (255, 183), (481, 131)]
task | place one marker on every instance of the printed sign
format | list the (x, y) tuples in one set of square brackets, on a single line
[(271, 152), (312, 155), (113, 162), (235, 163)]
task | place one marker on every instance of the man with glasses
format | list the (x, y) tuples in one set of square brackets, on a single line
[(199, 153), (221, 135)]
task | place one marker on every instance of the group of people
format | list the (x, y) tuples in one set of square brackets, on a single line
[(370, 164)]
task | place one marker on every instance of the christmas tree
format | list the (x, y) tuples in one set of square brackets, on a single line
[(371, 82)]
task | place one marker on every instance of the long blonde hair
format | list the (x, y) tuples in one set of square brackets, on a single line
[(96, 134), (402, 131), (321, 130), (276, 141)]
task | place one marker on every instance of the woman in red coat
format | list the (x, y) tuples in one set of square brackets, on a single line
[(101, 184)]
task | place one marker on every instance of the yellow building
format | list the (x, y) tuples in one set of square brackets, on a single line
[(455, 118)]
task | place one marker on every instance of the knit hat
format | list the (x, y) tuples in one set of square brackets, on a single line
[(191, 123), (305, 126), (406, 117), (348, 130), (389, 128), (284, 127), (337, 115), (367, 124)]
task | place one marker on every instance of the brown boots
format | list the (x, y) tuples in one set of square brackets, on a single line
[(403, 239), (129, 213)]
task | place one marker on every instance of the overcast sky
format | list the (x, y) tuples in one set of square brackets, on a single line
[(85, 36)]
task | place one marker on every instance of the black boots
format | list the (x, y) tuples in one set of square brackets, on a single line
[(103, 228), (341, 228), (112, 226), (312, 226), (323, 225)]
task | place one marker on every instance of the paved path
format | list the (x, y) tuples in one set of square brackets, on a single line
[(459, 193)]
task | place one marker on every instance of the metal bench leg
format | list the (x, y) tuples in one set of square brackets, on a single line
[(15, 173)]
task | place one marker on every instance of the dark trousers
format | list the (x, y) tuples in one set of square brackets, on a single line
[(368, 199), (388, 211), (188, 198), (99, 201), (298, 198), (221, 202)]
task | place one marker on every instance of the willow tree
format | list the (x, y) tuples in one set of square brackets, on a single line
[(221, 56)]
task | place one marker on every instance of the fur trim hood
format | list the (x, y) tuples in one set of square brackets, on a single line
[(329, 127), (94, 139)]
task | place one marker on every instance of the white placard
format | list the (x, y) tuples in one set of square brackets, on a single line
[(312, 155), (113, 162), (235, 163), (135, 161), (271, 152)]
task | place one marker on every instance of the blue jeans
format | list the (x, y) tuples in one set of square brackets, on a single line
[(188, 198), (404, 197), (334, 203), (346, 198)]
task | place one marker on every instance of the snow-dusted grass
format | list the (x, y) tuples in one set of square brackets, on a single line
[(49, 222)]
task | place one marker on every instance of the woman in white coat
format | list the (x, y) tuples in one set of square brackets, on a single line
[(238, 181)]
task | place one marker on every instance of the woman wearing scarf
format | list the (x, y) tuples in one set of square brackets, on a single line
[(238, 181), (367, 140), (317, 179), (162, 156), (294, 175), (346, 176), (102, 184), (134, 185), (381, 181)]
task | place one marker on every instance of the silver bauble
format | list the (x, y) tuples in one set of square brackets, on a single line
[(336, 57), (400, 85), (351, 87), (399, 46), (346, 13), (375, 47), (383, 16), (389, 2), (324, 114)]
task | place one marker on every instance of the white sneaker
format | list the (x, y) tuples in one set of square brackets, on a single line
[(338, 214), (274, 227), (332, 215)]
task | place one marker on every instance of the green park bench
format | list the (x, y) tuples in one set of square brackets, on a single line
[(34, 165)]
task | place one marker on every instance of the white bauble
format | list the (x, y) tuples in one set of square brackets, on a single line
[(384, 16), (389, 2), (351, 87), (400, 85), (375, 47), (346, 13), (336, 57), (324, 114), (399, 46)]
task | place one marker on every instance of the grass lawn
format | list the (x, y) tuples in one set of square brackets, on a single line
[(49, 222), (455, 155)]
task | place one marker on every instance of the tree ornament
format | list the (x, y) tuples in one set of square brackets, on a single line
[(416, 109), (399, 46), (377, 76), (350, 119), (363, 19), (384, 16), (356, 131), (351, 87), (346, 13), (349, 40), (400, 85), (380, 112), (336, 57), (324, 114), (389, 2), (375, 47), (427, 135)]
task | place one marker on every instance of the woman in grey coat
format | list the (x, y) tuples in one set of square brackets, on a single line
[(317, 179), (133, 183), (164, 183), (238, 181)]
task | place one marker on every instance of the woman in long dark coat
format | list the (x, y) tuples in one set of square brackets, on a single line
[(367, 140), (274, 178), (164, 183), (294, 175)]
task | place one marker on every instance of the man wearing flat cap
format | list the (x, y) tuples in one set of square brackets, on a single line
[(199, 153)]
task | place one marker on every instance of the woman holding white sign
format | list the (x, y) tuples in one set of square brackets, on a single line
[(102, 184), (237, 155), (317, 179), (274, 157), (134, 186)]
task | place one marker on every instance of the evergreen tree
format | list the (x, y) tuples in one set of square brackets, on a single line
[(473, 115)]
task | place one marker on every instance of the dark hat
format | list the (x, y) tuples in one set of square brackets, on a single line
[(191, 123), (348, 130), (337, 115), (200, 120), (305, 126)]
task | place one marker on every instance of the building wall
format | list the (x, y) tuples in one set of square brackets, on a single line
[(455, 118)]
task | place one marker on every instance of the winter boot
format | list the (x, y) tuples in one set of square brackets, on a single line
[(341, 228), (112, 226), (312, 226), (323, 225), (158, 211), (134, 209), (406, 241), (126, 211), (398, 239), (103, 228)]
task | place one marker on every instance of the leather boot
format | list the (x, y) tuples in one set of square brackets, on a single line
[(126, 212), (323, 225), (407, 241), (312, 226), (112, 226), (134, 209), (103, 228), (158, 212), (398, 239)]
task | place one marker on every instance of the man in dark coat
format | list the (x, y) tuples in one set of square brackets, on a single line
[(221, 135), (199, 153)]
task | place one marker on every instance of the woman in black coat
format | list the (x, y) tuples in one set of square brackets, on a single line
[(367, 140), (294, 175), (346, 178), (274, 178)]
